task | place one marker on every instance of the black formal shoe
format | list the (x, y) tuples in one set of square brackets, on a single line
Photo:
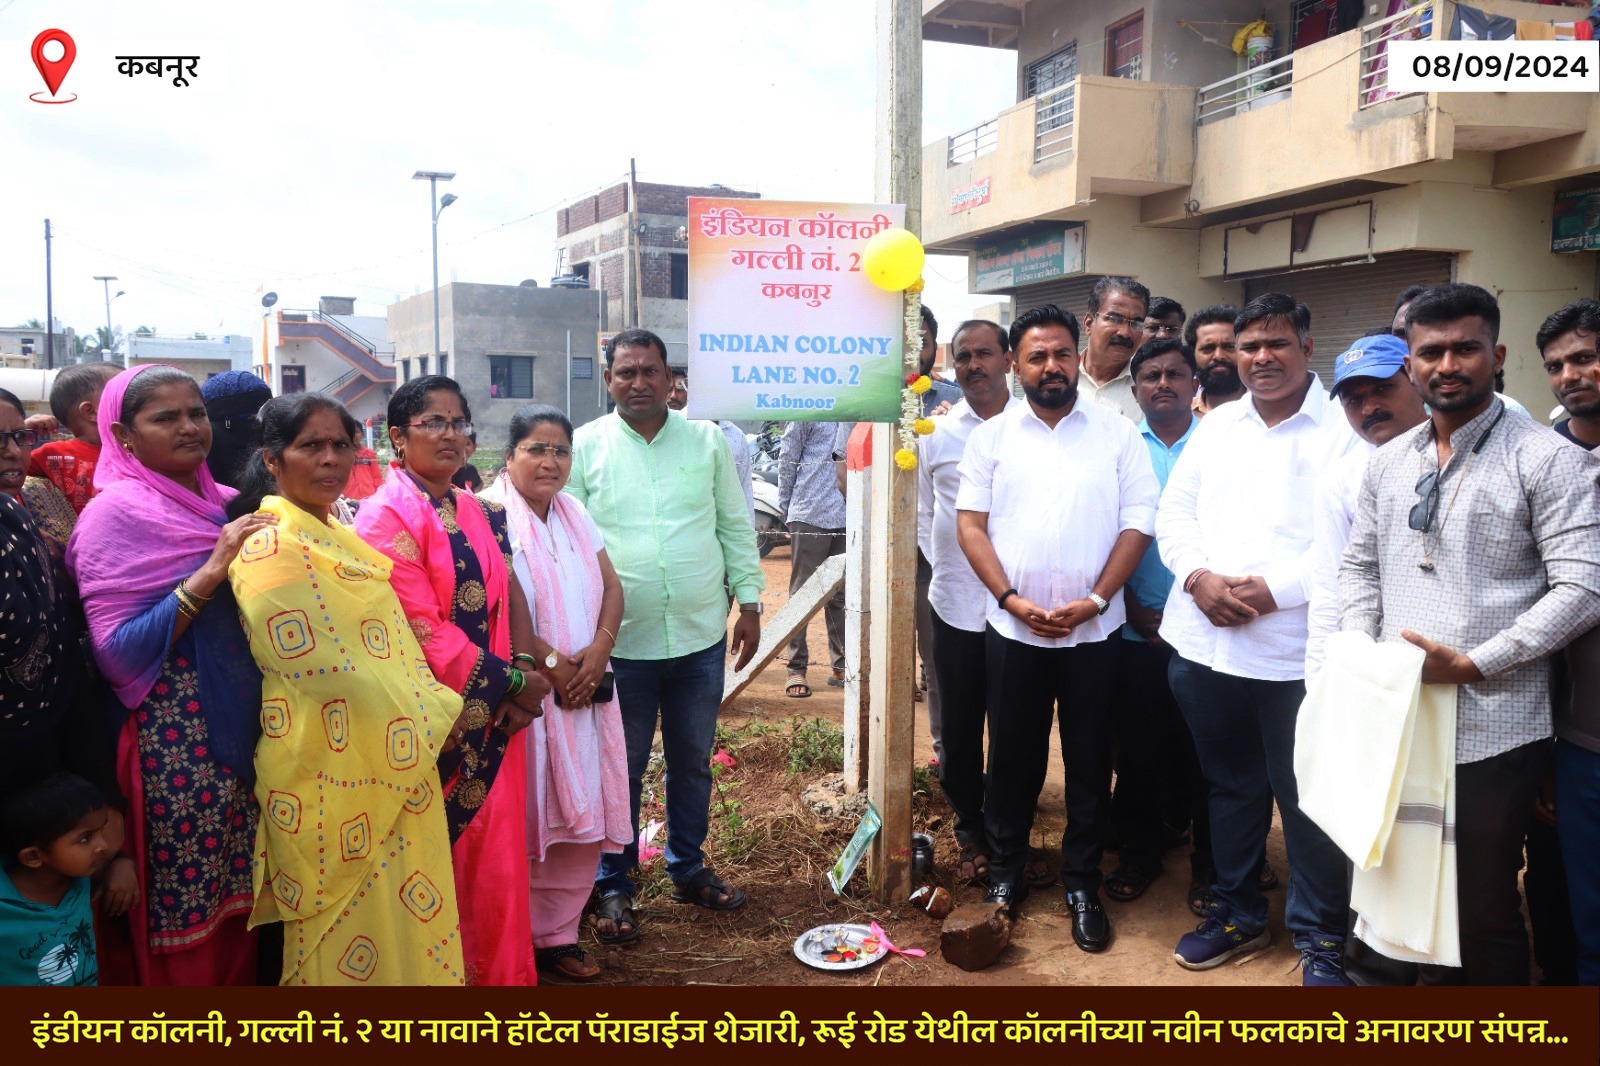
[(1009, 893), (1091, 930)]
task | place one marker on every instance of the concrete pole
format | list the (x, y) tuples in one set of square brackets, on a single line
[(433, 207), (894, 491)]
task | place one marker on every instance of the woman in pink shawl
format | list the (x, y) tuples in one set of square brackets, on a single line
[(150, 555), (577, 758), (450, 573)]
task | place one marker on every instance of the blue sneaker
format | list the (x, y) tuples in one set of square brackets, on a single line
[(1322, 965), (1217, 940)]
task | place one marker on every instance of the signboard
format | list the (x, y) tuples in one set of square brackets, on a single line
[(970, 196), (783, 324), (603, 338), (1043, 256), (1575, 222)]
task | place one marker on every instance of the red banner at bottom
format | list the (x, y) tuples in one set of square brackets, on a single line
[(1044, 1024)]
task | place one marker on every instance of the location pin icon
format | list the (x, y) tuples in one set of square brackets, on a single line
[(54, 72)]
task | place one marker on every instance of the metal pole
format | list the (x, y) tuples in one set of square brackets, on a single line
[(106, 284), (569, 375), (49, 305), (433, 195)]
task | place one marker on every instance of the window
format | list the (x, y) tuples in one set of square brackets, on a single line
[(680, 277), (1052, 71), (583, 368), (1125, 48), (405, 370), (444, 364), (511, 377), (422, 366)]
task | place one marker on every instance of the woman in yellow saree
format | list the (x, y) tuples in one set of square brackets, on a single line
[(352, 850)]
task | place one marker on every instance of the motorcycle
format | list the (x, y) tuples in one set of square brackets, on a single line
[(771, 530)]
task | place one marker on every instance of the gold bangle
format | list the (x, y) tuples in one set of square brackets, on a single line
[(186, 610), (202, 600), (608, 633)]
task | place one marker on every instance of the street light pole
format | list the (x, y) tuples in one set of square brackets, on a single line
[(435, 207), (106, 280)]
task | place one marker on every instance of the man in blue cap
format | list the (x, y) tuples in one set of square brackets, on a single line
[(1370, 383)]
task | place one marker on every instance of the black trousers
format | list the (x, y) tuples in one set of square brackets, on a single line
[(962, 680), (1493, 797), (1159, 783), (1028, 687)]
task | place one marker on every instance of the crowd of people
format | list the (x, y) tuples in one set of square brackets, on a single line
[(1177, 524), (264, 719), (271, 714)]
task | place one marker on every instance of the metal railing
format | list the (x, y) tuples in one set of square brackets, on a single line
[(332, 388), (1052, 122), (1256, 87), (1412, 24), (979, 140)]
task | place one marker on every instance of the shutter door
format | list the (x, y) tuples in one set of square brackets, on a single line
[(1069, 294), (1348, 302)]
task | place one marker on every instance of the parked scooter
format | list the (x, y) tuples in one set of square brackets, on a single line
[(771, 529)]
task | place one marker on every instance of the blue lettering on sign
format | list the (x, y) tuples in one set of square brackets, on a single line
[(764, 375), (820, 345), (744, 342)]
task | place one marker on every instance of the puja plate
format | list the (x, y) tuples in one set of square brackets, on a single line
[(839, 947)]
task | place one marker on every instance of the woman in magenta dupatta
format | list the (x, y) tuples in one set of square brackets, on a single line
[(578, 760), (150, 555), (451, 574)]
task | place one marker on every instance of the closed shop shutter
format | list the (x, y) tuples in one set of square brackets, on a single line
[(1069, 294), (1348, 302)]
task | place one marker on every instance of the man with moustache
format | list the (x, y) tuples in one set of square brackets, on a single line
[(956, 596), (1113, 328), (1371, 384), (1209, 333), (1235, 529), (1160, 790), (1476, 531), (1163, 320), (1568, 346), (1072, 493), (663, 493)]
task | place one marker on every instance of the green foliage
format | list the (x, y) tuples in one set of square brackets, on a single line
[(815, 746)]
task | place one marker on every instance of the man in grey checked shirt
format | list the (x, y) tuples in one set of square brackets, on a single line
[(1477, 538), (808, 493)]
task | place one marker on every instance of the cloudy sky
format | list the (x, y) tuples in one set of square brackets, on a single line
[(287, 161)]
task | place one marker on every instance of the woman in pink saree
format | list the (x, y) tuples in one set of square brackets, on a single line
[(451, 574), (577, 755)]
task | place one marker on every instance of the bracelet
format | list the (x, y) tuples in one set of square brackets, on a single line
[(1004, 596), (187, 591), (1188, 585), (524, 657), (518, 682), (608, 633), (185, 608)]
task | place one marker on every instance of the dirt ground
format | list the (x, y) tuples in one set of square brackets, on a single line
[(765, 840)]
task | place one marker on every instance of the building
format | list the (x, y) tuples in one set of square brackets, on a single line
[(202, 357), (25, 346), (1141, 144), (630, 242), (331, 350), (508, 345)]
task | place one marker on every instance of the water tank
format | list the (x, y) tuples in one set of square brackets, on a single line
[(569, 281)]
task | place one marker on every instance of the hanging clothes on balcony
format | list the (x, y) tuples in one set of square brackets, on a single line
[(1470, 24), (1554, 31)]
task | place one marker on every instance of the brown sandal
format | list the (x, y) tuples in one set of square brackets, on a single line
[(974, 858), (569, 961)]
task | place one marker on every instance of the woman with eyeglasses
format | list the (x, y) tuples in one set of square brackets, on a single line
[(577, 754), (451, 572), (150, 555)]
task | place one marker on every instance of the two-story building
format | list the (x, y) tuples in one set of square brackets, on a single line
[(1142, 143), (330, 349), (202, 357)]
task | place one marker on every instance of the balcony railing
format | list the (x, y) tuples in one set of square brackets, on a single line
[(1256, 87), (979, 140), (1412, 24), (1052, 122)]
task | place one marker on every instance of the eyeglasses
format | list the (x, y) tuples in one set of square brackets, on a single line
[(1158, 329), (1423, 511), (1118, 321), (22, 438), (539, 450), (435, 427)]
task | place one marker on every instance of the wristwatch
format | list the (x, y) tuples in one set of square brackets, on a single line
[(552, 660), (1101, 604), (756, 607)]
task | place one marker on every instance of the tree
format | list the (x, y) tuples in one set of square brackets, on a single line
[(33, 323), (102, 341), (198, 337), (145, 331)]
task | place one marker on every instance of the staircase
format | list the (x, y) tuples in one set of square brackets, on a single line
[(366, 370)]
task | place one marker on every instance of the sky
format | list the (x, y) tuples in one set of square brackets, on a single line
[(286, 162)]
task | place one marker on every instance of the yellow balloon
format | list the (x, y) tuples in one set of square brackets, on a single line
[(893, 258)]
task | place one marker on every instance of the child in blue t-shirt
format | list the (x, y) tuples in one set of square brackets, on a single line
[(54, 838)]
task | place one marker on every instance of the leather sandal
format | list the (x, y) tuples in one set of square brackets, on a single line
[(617, 908), (569, 961)]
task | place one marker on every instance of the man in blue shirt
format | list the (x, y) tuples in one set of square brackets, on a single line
[(1159, 785)]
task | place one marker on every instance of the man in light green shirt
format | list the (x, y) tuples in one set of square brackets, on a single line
[(668, 502)]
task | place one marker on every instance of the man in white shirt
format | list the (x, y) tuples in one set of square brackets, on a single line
[(1235, 529), (957, 599), (1113, 329), (1055, 509)]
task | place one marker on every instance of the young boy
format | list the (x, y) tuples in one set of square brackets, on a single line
[(55, 836), (75, 401)]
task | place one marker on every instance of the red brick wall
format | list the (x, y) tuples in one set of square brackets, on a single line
[(674, 199)]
